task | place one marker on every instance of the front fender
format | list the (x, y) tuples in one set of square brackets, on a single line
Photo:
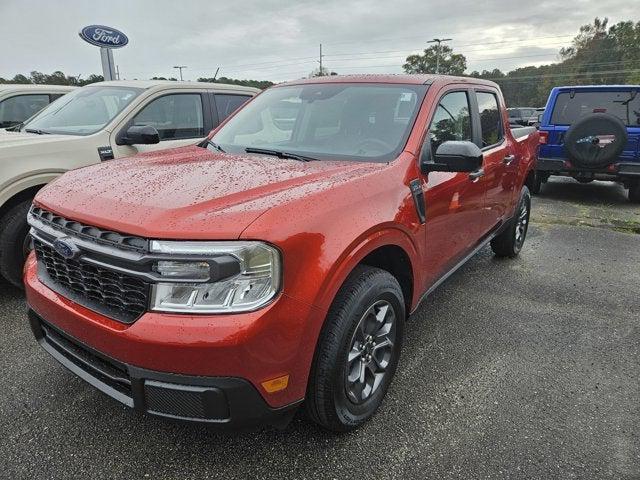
[(12, 187)]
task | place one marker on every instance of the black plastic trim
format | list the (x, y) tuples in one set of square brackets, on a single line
[(225, 402)]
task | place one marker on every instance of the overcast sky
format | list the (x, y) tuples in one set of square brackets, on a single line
[(278, 40)]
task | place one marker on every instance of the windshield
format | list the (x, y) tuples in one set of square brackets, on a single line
[(83, 111), (359, 122), (570, 107)]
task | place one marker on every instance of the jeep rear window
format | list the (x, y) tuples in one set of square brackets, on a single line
[(622, 104)]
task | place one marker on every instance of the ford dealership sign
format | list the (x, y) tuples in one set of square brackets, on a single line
[(102, 36)]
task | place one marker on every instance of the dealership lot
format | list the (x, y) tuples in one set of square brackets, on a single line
[(527, 366)]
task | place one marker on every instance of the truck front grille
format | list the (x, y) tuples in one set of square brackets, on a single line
[(113, 294)]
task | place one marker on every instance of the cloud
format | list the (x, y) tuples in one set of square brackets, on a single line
[(279, 40)]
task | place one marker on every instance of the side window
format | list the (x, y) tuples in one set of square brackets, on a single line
[(15, 110), (451, 120), (227, 104), (175, 116), (490, 121)]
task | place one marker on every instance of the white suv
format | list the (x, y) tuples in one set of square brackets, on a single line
[(97, 123)]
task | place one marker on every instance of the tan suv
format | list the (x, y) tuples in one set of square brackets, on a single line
[(97, 123), (19, 102)]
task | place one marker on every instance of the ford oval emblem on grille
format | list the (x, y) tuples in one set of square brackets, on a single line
[(66, 248)]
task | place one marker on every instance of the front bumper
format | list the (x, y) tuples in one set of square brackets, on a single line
[(557, 166), (219, 351), (225, 401)]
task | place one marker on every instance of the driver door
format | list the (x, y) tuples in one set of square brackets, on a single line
[(455, 217), (181, 118)]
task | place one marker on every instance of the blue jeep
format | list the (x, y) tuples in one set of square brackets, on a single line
[(591, 133)]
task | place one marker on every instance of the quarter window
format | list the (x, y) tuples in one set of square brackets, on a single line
[(17, 109), (451, 120), (174, 116), (490, 121)]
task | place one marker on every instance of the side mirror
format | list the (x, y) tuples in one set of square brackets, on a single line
[(141, 135), (452, 156)]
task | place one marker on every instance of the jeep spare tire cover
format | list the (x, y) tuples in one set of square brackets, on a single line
[(596, 140)]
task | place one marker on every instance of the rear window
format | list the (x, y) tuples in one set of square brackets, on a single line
[(622, 104)]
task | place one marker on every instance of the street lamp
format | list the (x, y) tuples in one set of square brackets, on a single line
[(438, 41)]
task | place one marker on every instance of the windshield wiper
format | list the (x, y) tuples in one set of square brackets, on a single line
[(216, 146), (279, 154), (37, 130)]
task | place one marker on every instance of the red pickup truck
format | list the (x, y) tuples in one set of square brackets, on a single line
[(276, 262)]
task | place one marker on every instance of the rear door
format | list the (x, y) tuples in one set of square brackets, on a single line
[(500, 164)]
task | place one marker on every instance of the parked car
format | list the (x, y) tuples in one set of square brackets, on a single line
[(275, 263), (592, 133), (96, 123), (18, 102), (535, 121), (524, 116)]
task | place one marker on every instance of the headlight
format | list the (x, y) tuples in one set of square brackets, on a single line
[(240, 276)]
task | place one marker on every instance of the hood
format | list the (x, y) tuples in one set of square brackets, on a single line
[(189, 192), (16, 139)]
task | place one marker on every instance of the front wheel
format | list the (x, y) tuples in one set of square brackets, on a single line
[(510, 241), (14, 242), (358, 350)]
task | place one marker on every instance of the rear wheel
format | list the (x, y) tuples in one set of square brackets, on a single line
[(358, 350), (14, 242), (510, 241)]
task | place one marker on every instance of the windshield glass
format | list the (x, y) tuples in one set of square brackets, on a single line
[(359, 122), (623, 104), (83, 111)]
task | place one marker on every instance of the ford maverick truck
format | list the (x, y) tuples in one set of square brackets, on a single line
[(276, 262), (94, 124)]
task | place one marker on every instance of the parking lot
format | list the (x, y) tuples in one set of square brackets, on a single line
[(511, 369)]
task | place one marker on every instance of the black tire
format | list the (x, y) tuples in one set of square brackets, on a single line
[(13, 242), (535, 185), (330, 401), (634, 193), (510, 241), (585, 140)]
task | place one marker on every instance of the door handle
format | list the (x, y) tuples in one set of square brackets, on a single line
[(508, 159), (474, 176)]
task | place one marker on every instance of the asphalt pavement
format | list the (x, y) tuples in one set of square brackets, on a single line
[(525, 368)]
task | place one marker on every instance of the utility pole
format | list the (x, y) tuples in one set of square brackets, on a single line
[(320, 62), (180, 67), (438, 41), (216, 75)]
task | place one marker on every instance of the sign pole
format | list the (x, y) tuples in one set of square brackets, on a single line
[(108, 67)]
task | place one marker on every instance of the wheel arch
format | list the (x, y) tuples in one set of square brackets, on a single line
[(390, 249)]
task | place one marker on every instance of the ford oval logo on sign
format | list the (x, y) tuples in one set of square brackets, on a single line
[(102, 36)]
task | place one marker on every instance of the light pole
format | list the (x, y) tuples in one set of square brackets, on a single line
[(180, 67), (438, 41)]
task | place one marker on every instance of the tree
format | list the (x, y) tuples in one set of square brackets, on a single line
[(450, 63), (261, 84), (324, 72)]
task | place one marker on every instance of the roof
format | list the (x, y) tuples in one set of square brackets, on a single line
[(412, 79), (35, 87), (146, 84), (584, 87)]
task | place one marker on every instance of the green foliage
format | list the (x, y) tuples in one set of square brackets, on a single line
[(598, 55), (450, 63), (55, 78), (261, 84)]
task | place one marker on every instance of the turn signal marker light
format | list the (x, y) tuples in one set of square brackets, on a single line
[(276, 384)]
